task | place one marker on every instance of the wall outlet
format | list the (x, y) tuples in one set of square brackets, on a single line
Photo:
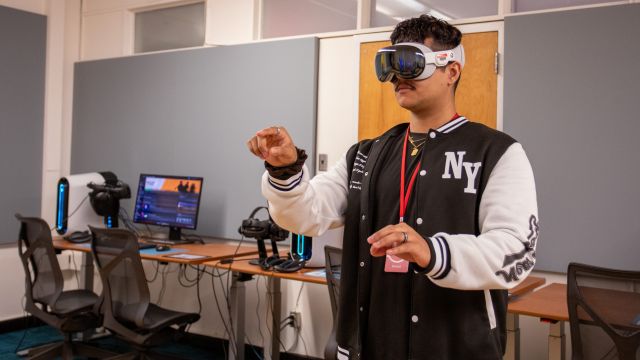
[(297, 319)]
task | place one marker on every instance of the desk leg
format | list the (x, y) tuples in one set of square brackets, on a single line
[(236, 300), (86, 271), (86, 281), (513, 337), (272, 351), (557, 341)]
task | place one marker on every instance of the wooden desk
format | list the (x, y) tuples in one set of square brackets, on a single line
[(549, 304), (215, 251), (512, 351), (272, 350)]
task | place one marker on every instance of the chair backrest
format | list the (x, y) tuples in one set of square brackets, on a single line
[(124, 286), (604, 312), (333, 263), (43, 277)]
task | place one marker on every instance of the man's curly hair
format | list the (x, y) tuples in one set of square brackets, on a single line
[(444, 35)]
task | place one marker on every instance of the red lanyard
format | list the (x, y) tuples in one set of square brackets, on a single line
[(404, 199)]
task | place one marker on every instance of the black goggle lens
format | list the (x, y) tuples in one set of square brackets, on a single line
[(404, 61)]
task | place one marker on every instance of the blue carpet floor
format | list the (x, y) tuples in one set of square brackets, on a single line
[(44, 334)]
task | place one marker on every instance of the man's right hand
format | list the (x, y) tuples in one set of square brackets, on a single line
[(274, 145)]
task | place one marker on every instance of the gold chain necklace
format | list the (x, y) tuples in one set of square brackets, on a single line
[(416, 145)]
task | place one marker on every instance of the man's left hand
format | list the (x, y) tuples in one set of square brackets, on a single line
[(391, 240)]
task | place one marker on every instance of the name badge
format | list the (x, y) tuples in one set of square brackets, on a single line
[(395, 264)]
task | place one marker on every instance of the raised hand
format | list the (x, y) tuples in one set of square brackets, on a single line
[(402, 241), (273, 145)]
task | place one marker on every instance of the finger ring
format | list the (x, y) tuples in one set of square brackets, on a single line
[(405, 237)]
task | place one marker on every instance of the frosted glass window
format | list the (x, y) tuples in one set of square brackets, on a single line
[(170, 28), (300, 17), (533, 5), (391, 12)]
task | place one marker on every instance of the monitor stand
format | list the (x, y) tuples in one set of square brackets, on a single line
[(175, 238), (175, 234)]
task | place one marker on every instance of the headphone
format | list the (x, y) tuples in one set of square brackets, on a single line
[(262, 229), (105, 199)]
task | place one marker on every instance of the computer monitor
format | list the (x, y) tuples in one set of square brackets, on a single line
[(171, 201)]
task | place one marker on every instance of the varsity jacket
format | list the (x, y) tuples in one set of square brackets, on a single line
[(474, 203)]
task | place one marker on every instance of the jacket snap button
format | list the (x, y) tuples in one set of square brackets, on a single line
[(366, 173), (361, 308), (364, 217), (432, 135), (361, 263), (419, 221), (423, 172), (414, 318)]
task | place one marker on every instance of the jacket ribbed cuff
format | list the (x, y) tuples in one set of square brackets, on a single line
[(440, 263), (286, 172), (288, 184)]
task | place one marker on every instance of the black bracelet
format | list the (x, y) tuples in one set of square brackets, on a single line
[(285, 172)]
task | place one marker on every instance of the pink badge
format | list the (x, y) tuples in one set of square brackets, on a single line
[(396, 264)]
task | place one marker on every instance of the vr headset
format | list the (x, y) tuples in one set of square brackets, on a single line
[(413, 61), (262, 230)]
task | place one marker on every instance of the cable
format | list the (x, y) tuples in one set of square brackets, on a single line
[(225, 294), (75, 267), (270, 307), (304, 343), (73, 212), (224, 323), (157, 266), (258, 311), (126, 220), (26, 323), (163, 288), (298, 299)]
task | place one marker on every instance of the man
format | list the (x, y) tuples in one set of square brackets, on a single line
[(440, 214)]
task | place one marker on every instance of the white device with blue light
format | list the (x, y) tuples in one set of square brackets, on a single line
[(308, 252), (73, 208)]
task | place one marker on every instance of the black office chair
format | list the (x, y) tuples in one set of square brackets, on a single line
[(333, 263), (604, 312), (69, 311), (127, 309)]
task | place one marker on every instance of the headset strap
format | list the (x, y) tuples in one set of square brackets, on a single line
[(109, 178)]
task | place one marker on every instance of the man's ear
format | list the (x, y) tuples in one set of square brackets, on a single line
[(453, 72)]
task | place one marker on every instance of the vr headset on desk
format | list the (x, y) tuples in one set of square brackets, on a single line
[(261, 230)]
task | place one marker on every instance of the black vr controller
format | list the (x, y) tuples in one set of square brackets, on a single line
[(262, 230), (290, 265)]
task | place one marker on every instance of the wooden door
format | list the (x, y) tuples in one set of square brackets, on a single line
[(476, 97)]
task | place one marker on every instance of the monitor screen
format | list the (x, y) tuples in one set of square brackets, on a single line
[(171, 201)]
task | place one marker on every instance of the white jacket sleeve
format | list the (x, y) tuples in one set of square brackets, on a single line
[(504, 252), (308, 207)]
